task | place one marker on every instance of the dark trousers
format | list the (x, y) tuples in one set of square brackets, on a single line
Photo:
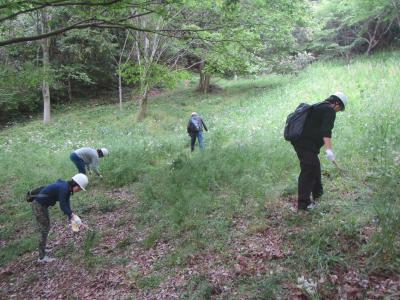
[(78, 162), (310, 177)]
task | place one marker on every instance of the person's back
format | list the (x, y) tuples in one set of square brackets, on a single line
[(50, 194), (319, 124), (88, 158), (195, 130), (89, 155)]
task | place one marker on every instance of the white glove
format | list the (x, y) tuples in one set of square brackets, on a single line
[(329, 155), (76, 219), (75, 223), (101, 176)]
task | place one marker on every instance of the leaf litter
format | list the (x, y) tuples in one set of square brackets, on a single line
[(110, 271)]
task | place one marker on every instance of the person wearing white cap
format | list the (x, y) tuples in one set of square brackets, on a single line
[(195, 130), (59, 191), (88, 158), (317, 132)]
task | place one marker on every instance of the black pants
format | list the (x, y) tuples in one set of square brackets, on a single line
[(310, 177)]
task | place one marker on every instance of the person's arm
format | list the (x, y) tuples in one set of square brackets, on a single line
[(94, 166), (328, 122), (63, 198), (327, 143), (205, 127)]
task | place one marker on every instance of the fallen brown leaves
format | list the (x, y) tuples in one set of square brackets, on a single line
[(122, 265)]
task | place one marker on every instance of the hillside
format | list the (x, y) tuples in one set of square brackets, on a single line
[(166, 223)]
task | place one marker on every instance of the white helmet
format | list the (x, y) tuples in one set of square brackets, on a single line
[(342, 97), (194, 114), (104, 151), (81, 180)]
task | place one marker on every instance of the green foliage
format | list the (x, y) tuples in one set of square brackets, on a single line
[(200, 288), (152, 237), (250, 28), (347, 26), (385, 244), (19, 90), (18, 247), (194, 200), (90, 240), (87, 59), (153, 75), (124, 243), (148, 282)]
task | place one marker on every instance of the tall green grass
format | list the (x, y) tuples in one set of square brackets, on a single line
[(194, 196)]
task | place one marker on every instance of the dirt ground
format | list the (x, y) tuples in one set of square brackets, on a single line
[(118, 266)]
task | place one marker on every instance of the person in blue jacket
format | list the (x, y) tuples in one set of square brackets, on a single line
[(59, 191)]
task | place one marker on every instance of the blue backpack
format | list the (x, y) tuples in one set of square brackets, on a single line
[(295, 122)]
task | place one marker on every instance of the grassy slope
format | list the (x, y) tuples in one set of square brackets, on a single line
[(247, 166)]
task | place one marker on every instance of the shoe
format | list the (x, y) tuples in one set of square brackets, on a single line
[(311, 206), (302, 205), (45, 259)]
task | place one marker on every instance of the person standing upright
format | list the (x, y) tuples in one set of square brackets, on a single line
[(88, 158), (195, 130), (317, 132)]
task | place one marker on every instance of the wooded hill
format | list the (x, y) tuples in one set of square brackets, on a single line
[(217, 224), (62, 52)]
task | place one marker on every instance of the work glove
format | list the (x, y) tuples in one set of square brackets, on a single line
[(76, 219), (75, 223), (329, 155), (101, 176)]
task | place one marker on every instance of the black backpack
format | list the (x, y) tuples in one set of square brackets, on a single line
[(32, 194), (295, 122)]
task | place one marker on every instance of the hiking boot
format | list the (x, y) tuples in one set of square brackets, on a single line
[(45, 259)]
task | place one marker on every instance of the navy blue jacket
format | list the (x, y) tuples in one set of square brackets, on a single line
[(58, 191)]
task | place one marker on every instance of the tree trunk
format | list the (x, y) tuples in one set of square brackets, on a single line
[(120, 90), (69, 90), (46, 62), (143, 104), (204, 84)]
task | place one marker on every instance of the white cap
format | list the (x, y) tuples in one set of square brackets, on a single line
[(342, 97), (104, 151), (81, 180), (194, 113)]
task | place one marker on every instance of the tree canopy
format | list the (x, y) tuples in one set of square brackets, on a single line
[(83, 48)]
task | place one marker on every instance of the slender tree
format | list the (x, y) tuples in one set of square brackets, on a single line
[(45, 43)]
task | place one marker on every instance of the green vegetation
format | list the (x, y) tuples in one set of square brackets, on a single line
[(245, 173)]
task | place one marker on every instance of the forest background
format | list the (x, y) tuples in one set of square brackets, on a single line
[(216, 224)]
